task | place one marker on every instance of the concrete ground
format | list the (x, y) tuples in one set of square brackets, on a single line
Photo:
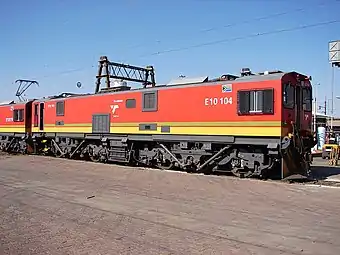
[(323, 171), (56, 206)]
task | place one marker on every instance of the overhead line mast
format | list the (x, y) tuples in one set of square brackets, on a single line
[(111, 70)]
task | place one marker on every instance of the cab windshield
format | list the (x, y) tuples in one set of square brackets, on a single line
[(307, 99), (288, 96)]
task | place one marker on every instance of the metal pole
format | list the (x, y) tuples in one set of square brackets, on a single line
[(332, 110), (315, 106), (314, 122)]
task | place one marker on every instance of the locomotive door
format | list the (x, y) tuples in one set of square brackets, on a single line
[(290, 166), (28, 118), (298, 106), (41, 116)]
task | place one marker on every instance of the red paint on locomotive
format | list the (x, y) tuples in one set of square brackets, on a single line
[(12, 115), (182, 104)]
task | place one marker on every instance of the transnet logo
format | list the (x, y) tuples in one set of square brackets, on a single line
[(114, 108)]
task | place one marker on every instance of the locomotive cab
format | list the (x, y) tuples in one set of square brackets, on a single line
[(297, 103), (297, 115)]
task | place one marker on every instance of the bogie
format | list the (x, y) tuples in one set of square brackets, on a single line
[(193, 157)]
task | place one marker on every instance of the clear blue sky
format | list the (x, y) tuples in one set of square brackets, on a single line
[(44, 39)]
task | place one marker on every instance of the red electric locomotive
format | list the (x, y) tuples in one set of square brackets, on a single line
[(252, 125)]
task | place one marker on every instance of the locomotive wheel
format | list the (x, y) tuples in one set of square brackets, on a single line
[(167, 166), (95, 159), (242, 173), (94, 156)]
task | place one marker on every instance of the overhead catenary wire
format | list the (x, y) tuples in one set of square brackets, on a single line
[(249, 36), (278, 31), (222, 40), (67, 72), (243, 22)]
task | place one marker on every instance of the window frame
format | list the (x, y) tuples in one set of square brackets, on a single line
[(309, 89), (22, 119), (155, 106), (287, 105), (58, 113), (251, 104), (36, 115)]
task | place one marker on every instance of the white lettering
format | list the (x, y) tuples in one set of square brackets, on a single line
[(212, 101)]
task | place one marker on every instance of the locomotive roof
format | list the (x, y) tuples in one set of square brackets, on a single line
[(7, 102), (174, 83), (261, 77), (185, 83), (188, 80), (13, 102)]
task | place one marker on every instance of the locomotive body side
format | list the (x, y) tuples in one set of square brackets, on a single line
[(183, 126), (198, 109), (12, 119)]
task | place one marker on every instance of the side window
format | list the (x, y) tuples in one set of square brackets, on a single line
[(288, 96), (18, 115), (307, 99), (150, 101), (60, 108), (255, 102), (130, 103)]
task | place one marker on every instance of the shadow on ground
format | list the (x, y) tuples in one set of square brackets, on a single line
[(324, 172), (321, 170)]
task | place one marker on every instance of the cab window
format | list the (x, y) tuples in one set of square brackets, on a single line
[(307, 99), (288, 96)]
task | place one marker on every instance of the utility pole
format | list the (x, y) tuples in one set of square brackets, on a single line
[(334, 59), (332, 109), (314, 117), (324, 106), (315, 106)]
